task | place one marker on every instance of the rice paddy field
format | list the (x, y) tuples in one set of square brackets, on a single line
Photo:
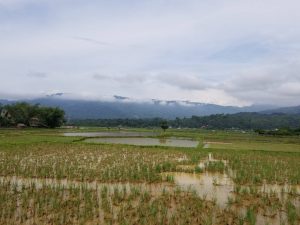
[(230, 177)]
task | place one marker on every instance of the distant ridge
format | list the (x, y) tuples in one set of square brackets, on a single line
[(283, 110), (123, 107)]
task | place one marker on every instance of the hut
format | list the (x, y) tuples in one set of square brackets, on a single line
[(34, 122), (21, 125)]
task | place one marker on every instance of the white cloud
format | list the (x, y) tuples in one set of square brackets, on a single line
[(183, 80), (37, 74), (225, 52)]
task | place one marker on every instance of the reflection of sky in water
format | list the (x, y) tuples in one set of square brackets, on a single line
[(210, 185), (162, 141), (109, 134), (172, 142)]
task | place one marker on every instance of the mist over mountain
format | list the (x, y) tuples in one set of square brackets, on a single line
[(123, 107)]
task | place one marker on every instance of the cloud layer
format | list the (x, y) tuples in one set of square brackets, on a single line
[(224, 52)]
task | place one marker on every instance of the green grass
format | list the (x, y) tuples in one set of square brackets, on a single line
[(252, 146)]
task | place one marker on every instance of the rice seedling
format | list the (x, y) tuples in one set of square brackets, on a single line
[(47, 178), (250, 216), (291, 213)]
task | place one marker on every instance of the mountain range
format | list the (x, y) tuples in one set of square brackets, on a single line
[(123, 107)]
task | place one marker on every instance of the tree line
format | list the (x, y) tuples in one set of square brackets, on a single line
[(285, 131), (24, 114), (40, 116), (245, 121)]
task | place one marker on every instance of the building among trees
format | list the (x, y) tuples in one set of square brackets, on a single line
[(25, 115)]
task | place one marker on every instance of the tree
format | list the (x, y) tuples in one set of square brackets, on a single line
[(52, 117), (164, 125), (25, 113), (21, 112)]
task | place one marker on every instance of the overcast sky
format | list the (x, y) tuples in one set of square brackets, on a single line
[(228, 52)]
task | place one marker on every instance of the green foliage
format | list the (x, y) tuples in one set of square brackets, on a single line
[(164, 125), (31, 115), (250, 216), (52, 117), (198, 169), (246, 121), (291, 213), (281, 132)]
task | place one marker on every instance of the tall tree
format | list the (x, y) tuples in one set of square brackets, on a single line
[(52, 117), (164, 125)]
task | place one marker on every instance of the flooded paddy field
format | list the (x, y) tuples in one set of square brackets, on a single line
[(171, 142), (110, 134), (49, 179)]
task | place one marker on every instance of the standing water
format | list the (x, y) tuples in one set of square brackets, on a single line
[(171, 142)]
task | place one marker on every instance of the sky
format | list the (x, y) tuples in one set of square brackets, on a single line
[(226, 52)]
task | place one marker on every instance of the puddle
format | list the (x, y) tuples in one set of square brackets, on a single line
[(171, 142), (109, 134), (216, 142), (219, 186), (212, 186), (206, 145)]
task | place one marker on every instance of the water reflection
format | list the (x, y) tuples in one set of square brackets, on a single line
[(212, 186), (110, 134), (173, 142)]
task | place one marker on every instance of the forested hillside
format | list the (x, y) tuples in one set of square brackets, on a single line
[(217, 121), (128, 108)]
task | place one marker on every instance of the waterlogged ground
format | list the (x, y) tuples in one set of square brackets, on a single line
[(49, 179), (109, 134), (219, 187), (171, 142)]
